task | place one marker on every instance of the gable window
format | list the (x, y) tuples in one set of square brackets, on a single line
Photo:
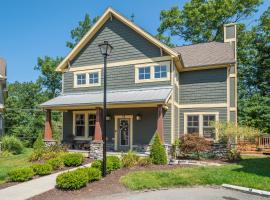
[(93, 78), (193, 124), (152, 72), (88, 78), (161, 71), (201, 123), (91, 125), (144, 73), (81, 79), (208, 128), (79, 124)]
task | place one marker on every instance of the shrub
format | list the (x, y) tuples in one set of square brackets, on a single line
[(56, 163), (5, 154), (194, 144), (21, 174), (42, 168), (72, 159), (234, 155), (98, 165), (12, 144), (144, 161), (130, 159), (158, 152), (72, 180), (93, 174), (39, 143), (116, 162)]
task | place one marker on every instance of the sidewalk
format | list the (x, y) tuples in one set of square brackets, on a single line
[(31, 188)]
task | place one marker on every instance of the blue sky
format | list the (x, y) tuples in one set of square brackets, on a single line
[(33, 28)]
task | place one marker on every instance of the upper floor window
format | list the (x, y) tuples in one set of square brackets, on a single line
[(152, 72), (144, 73), (161, 71), (87, 78), (81, 79), (93, 78)]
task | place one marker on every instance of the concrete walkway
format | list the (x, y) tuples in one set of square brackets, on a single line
[(31, 188)]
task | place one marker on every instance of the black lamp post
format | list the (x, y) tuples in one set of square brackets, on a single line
[(105, 50)]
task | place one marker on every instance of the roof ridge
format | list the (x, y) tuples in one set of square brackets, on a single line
[(199, 44)]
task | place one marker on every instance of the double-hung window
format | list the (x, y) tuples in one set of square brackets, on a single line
[(81, 79), (144, 73), (161, 71), (201, 124), (152, 72), (79, 125), (208, 128), (193, 124), (91, 124), (87, 78)]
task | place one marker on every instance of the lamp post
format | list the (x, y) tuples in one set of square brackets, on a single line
[(105, 50)]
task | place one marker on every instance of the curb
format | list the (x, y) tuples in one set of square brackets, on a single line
[(245, 189)]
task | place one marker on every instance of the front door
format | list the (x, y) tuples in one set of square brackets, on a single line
[(124, 135)]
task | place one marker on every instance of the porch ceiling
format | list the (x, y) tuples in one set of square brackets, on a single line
[(143, 97)]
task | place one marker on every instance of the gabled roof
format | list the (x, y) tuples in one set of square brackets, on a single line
[(95, 98), (108, 13), (206, 54)]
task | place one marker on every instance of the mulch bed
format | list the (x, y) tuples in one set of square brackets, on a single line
[(107, 186), (8, 184)]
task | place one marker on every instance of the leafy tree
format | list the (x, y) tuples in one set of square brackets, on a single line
[(78, 32), (49, 78), (203, 20)]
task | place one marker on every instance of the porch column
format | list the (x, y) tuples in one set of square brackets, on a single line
[(160, 123), (48, 126), (98, 130)]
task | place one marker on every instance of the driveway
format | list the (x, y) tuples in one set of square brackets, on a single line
[(194, 193)]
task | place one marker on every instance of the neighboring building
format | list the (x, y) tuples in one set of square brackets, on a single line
[(151, 87), (3, 91)]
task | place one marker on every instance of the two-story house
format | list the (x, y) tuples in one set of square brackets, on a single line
[(3, 90), (151, 87)]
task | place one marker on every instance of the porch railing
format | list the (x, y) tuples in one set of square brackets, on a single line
[(264, 141)]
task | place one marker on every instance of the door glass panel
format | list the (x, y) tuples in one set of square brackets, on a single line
[(124, 132)]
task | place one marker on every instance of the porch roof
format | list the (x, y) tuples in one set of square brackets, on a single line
[(95, 98)]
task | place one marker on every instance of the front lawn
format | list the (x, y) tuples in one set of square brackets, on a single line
[(13, 161), (251, 172)]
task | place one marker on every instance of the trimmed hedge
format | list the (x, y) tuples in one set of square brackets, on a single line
[(72, 180), (158, 152), (42, 168), (21, 174), (116, 162), (72, 159), (98, 165), (56, 163), (94, 174)]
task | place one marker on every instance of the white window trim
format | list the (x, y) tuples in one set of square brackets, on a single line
[(152, 72), (186, 114), (87, 84), (86, 127)]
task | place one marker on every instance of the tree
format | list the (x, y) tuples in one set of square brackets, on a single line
[(158, 152), (49, 78), (78, 32), (203, 20), (22, 115)]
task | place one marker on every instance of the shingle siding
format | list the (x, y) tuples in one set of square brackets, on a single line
[(128, 45), (205, 86)]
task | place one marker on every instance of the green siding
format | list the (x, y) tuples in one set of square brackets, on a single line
[(167, 125), (122, 77), (205, 86), (127, 44), (232, 116)]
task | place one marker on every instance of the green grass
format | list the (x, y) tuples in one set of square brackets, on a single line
[(13, 161), (250, 172)]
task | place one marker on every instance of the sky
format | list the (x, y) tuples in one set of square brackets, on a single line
[(36, 28)]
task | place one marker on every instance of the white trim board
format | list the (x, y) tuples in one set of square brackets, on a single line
[(211, 105)]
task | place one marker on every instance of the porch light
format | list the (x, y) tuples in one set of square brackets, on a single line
[(138, 117), (108, 118), (105, 48)]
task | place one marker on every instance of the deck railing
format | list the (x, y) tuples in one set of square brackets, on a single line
[(264, 141)]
